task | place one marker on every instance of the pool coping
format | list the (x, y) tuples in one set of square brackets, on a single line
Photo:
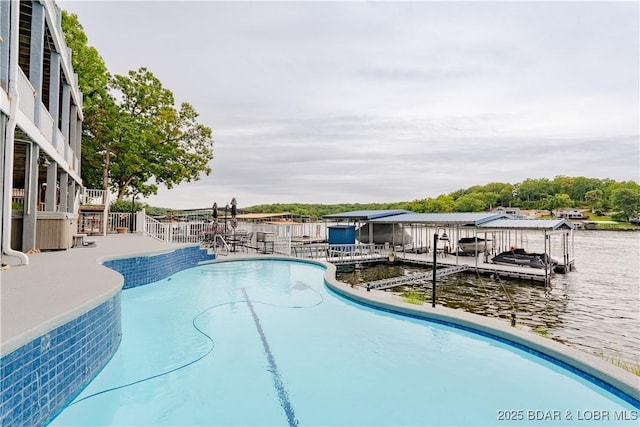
[(584, 363)]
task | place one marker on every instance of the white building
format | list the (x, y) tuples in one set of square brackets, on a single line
[(513, 211), (40, 130)]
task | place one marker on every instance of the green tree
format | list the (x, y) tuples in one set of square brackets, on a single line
[(561, 184), (442, 203), (535, 189), (508, 195), (470, 203), (594, 198), (557, 201), (626, 201), (98, 106), (489, 198), (134, 137), (580, 186), (125, 206), (155, 142)]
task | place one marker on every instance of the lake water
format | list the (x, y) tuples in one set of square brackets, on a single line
[(595, 308)]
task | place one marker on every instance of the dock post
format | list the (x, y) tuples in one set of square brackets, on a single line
[(433, 285)]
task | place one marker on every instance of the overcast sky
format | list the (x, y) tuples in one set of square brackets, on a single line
[(338, 102)]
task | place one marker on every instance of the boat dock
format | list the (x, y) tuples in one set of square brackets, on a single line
[(416, 236), (364, 253)]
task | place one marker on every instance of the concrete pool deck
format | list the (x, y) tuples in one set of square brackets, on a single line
[(57, 287)]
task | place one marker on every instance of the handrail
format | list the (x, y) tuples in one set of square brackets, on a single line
[(154, 228), (94, 197), (224, 243)]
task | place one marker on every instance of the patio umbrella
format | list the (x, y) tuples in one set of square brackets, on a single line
[(234, 210), (215, 210)]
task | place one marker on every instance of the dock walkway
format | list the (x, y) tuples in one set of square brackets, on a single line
[(343, 254), (412, 278), (481, 267)]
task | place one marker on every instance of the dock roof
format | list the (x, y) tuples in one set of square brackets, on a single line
[(484, 220), (528, 224), (461, 218), (365, 215), (275, 216)]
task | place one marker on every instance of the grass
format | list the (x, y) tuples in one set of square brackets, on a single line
[(594, 217), (614, 360), (605, 222), (542, 331), (616, 226), (602, 222), (353, 280), (620, 363), (413, 297)]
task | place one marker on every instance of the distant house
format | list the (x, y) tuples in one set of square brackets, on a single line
[(513, 211), (530, 213), (571, 214)]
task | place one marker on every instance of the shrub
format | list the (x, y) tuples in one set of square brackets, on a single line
[(413, 297)]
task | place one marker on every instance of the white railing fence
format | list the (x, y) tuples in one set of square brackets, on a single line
[(342, 253), (186, 232), (282, 245), (17, 196), (201, 232), (94, 197), (153, 227), (120, 220), (175, 232)]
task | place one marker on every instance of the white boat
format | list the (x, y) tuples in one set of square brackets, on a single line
[(473, 245), (384, 233)]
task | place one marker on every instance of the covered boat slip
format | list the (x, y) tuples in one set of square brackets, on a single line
[(495, 233)]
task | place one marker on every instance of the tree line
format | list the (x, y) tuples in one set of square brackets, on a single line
[(599, 195)]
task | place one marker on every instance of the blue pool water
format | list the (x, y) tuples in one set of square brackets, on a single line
[(265, 343)]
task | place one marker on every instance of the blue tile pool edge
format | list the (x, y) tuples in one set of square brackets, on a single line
[(38, 379), (139, 270)]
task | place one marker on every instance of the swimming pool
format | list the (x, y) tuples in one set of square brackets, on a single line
[(266, 343)]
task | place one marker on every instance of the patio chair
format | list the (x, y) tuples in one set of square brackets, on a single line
[(245, 240)]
